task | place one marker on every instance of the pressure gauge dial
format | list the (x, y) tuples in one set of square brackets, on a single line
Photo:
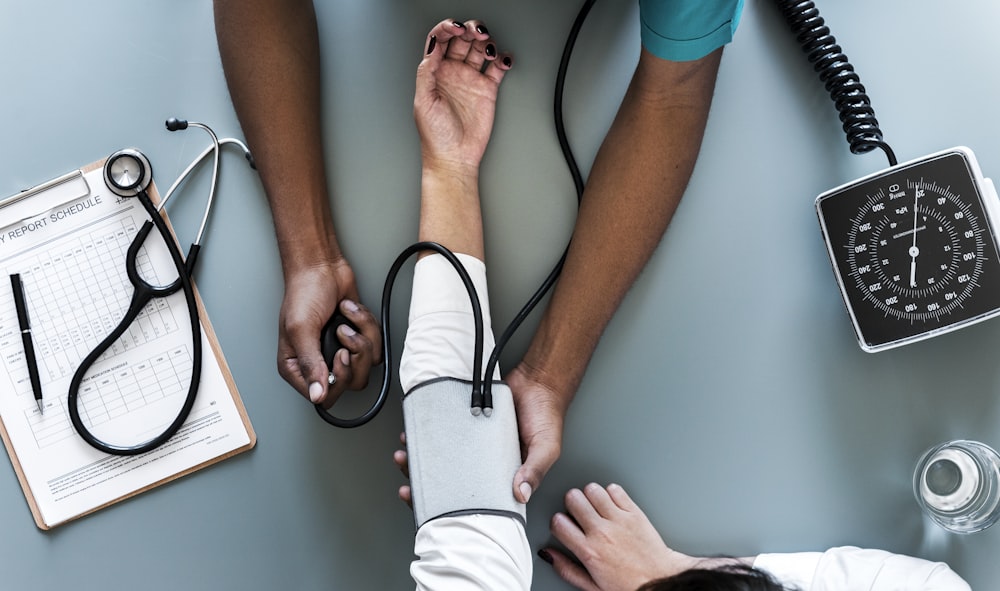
[(914, 248), (127, 172)]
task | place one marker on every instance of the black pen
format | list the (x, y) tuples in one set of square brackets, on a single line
[(29, 347)]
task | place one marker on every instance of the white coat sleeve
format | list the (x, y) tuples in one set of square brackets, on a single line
[(481, 552), (855, 569), (470, 551)]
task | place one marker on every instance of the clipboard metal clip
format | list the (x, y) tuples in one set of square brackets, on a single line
[(37, 200)]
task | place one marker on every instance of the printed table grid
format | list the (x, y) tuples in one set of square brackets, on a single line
[(112, 395), (77, 293), (83, 287)]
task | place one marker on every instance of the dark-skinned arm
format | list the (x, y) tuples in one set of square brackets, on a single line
[(271, 56), (638, 178)]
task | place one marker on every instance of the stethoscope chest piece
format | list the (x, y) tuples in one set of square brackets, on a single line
[(127, 172)]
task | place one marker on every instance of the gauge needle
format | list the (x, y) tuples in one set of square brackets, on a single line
[(914, 251)]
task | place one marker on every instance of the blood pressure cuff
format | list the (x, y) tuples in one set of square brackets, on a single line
[(460, 464)]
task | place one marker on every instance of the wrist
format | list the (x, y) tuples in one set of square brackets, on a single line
[(556, 360), (559, 391), (309, 252), (303, 228), (709, 563), (678, 562), (449, 183), (449, 170)]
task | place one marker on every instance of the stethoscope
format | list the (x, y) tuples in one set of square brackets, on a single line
[(127, 174)]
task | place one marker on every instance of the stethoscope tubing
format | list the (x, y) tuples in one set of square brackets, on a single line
[(142, 293)]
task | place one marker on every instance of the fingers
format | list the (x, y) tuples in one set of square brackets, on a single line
[(595, 503), (467, 41), (300, 361), (600, 500), (568, 533), (569, 570), (460, 45), (362, 349), (337, 383), (540, 425), (481, 52), (614, 541), (582, 509), (542, 452), (498, 67), (435, 47), (406, 495), (439, 38), (400, 459), (621, 498), (368, 327)]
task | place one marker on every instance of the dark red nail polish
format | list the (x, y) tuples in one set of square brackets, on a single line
[(482, 30), (491, 51), (458, 24), (544, 555), (507, 62), (431, 44)]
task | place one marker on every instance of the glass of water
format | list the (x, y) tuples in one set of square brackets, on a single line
[(957, 484)]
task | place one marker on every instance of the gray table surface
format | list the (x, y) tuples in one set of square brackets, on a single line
[(728, 394)]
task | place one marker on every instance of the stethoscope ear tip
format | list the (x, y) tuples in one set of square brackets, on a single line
[(175, 124), (250, 159)]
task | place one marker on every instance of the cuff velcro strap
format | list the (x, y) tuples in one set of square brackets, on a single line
[(460, 463)]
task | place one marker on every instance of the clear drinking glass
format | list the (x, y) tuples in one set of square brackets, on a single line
[(957, 484)]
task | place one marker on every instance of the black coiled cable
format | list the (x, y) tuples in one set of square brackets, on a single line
[(838, 75)]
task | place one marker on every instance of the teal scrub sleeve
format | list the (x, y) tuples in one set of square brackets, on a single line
[(686, 30)]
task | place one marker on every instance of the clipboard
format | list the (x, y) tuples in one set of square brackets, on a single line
[(68, 239)]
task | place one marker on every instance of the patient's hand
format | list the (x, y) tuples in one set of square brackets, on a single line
[(456, 93), (400, 459), (613, 539)]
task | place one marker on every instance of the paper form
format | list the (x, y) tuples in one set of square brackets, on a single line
[(71, 258)]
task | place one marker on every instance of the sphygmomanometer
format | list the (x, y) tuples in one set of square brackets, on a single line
[(913, 246)]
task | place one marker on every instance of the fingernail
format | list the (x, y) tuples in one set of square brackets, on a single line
[(544, 555), (507, 62), (525, 489), (348, 330), (491, 51), (431, 44), (482, 30), (315, 391), (345, 358), (350, 305), (458, 24)]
